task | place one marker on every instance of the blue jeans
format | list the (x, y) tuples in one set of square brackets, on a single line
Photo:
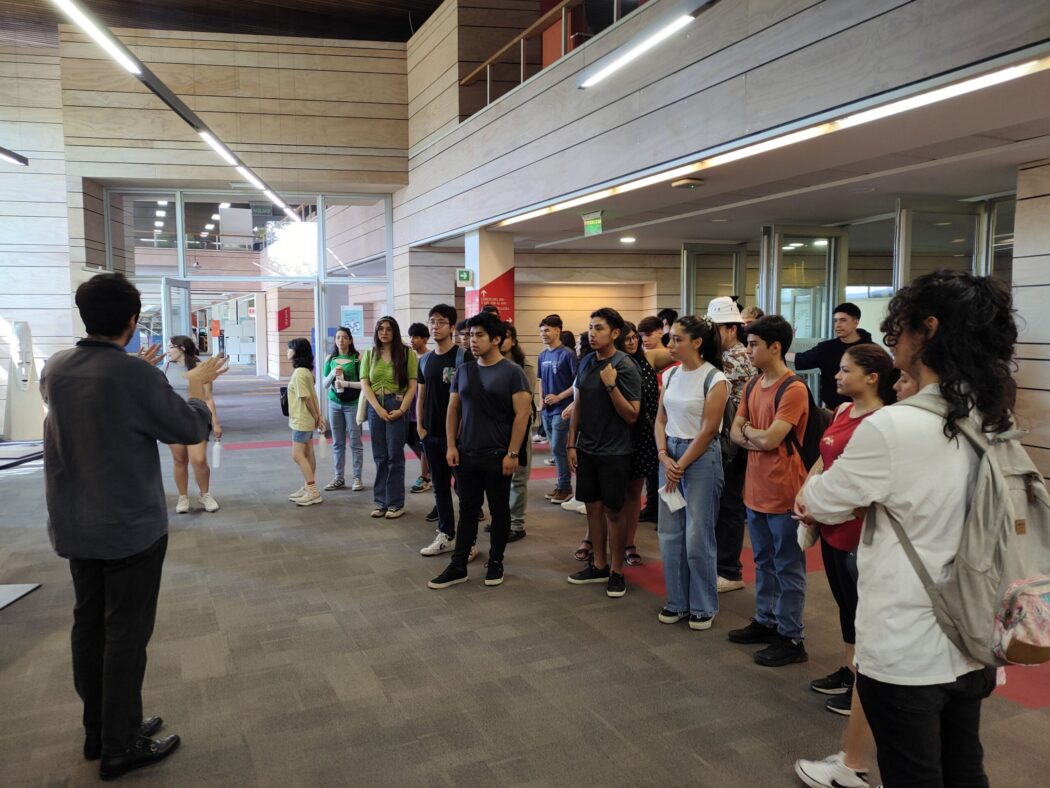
[(388, 452), (342, 418), (557, 430), (687, 536), (780, 572)]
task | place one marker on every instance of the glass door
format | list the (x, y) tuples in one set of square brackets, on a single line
[(174, 308)]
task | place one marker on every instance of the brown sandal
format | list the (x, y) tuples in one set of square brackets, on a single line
[(631, 557), (584, 553)]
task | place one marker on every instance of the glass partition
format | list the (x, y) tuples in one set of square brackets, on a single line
[(869, 273), (942, 240), (355, 237), (142, 233), (1002, 233)]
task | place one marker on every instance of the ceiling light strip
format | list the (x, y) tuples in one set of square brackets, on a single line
[(13, 158), (889, 109)]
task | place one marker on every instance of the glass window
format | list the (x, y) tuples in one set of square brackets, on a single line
[(714, 277), (355, 237), (803, 284), (869, 273), (142, 234), (1003, 240), (939, 240)]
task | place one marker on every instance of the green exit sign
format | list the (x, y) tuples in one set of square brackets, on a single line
[(592, 223), (464, 276)]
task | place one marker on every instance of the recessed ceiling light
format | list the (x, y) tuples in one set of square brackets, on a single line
[(215, 217), (788, 248), (162, 202), (958, 240), (718, 221), (224, 205), (209, 227), (821, 242), (796, 244), (942, 224), (162, 214), (158, 224), (627, 239)]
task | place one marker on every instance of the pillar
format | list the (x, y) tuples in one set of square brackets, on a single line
[(490, 255)]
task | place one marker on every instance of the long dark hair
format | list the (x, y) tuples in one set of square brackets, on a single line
[(302, 353), (398, 350), (517, 355), (971, 351), (621, 341), (876, 361), (335, 348), (189, 350), (585, 345), (710, 339)]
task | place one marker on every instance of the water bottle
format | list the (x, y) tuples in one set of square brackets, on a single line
[(216, 453), (322, 446)]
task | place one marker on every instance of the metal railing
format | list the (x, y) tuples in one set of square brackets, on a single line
[(559, 14)]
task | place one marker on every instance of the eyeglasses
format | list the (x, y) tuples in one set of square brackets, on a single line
[(439, 323)]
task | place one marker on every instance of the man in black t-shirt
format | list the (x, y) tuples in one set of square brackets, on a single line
[(488, 414), (436, 369)]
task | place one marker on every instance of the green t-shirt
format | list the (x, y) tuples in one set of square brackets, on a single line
[(351, 371), (380, 373), (300, 389)]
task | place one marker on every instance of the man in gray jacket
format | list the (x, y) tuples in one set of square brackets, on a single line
[(107, 511)]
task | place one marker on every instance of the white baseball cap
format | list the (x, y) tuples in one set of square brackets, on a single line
[(724, 310)]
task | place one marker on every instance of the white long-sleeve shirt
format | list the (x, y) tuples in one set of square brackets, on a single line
[(900, 458)]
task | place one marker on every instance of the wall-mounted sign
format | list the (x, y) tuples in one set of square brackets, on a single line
[(284, 318), (353, 317), (464, 277), (251, 312), (592, 223)]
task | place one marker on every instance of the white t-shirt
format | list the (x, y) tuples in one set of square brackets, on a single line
[(683, 398), (900, 458)]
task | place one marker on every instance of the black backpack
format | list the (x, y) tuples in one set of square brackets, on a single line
[(816, 424)]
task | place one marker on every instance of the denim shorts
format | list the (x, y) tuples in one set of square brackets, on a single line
[(299, 436)]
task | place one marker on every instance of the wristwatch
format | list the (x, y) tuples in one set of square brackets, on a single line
[(512, 454), (610, 388)]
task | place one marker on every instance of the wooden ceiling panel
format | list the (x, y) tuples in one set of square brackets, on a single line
[(31, 23)]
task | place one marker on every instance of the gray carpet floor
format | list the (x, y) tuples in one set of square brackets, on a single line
[(301, 646)]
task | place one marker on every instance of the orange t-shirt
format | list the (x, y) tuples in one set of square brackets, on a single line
[(774, 477)]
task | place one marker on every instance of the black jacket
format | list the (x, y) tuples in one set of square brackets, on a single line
[(826, 357)]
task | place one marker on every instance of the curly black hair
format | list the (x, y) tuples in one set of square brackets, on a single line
[(973, 348)]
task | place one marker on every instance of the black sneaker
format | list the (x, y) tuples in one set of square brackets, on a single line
[(514, 536), (493, 573), (700, 623), (838, 683), (668, 616), (589, 574), (753, 633), (449, 577), (433, 516), (784, 651), (617, 585), (840, 704)]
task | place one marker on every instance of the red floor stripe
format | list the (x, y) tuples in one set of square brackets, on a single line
[(1028, 687)]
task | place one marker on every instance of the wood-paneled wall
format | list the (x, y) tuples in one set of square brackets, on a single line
[(1031, 289), (433, 76), (34, 228)]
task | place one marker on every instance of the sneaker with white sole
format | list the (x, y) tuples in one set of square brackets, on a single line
[(209, 503), (297, 494), (668, 616), (182, 506), (831, 772), (570, 505), (442, 544), (724, 585), (335, 484), (700, 623), (310, 497), (581, 508), (421, 485), (394, 512), (357, 486)]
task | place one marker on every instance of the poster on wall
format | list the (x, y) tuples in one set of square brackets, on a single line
[(353, 317), (284, 318)]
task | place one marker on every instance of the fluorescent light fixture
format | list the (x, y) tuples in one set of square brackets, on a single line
[(13, 158), (718, 221), (224, 205), (162, 202), (788, 248), (627, 239), (637, 51), (801, 135), (219, 148), (215, 217), (162, 214), (942, 224), (204, 235), (274, 198), (249, 176), (112, 47), (821, 242), (209, 227), (292, 214), (158, 224)]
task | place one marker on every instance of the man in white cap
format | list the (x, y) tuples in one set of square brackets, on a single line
[(729, 530)]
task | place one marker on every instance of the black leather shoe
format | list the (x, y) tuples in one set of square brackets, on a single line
[(93, 744), (144, 752), (514, 536)]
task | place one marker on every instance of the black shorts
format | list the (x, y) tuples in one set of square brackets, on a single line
[(412, 439), (841, 570), (602, 478)]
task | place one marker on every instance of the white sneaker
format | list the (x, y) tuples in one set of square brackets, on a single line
[(570, 505), (537, 438), (182, 505), (830, 773), (310, 497), (297, 494), (357, 486), (209, 503), (581, 508), (441, 544), (725, 586)]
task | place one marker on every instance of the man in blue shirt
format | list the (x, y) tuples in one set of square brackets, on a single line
[(556, 371)]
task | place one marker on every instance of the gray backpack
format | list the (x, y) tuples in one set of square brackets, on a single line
[(995, 604)]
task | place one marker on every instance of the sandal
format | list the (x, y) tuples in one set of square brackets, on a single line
[(584, 553), (631, 557)]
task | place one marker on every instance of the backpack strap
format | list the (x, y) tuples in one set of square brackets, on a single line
[(905, 542), (792, 440)]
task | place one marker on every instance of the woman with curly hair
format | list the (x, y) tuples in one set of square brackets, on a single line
[(954, 334)]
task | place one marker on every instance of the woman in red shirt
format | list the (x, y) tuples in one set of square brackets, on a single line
[(866, 375)]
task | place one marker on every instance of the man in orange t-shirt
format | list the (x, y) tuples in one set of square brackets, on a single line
[(774, 477)]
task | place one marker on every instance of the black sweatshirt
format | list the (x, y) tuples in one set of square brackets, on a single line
[(106, 412), (826, 357)]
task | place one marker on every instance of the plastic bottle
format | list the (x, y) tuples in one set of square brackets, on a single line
[(216, 453)]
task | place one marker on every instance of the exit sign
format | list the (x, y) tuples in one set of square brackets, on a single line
[(464, 277), (592, 223)]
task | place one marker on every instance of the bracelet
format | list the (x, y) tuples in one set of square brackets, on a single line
[(570, 447)]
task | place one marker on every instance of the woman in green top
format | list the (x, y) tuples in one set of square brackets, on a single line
[(342, 380), (388, 382)]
